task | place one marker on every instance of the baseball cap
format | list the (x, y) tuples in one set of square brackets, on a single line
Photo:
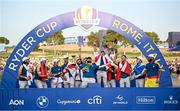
[(56, 60), (151, 55), (43, 59), (25, 58)]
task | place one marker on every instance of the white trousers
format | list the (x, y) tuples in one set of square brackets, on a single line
[(70, 83), (23, 84), (78, 83), (86, 81), (40, 84), (125, 82), (140, 82), (103, 75), (112, 83), (56, 84)]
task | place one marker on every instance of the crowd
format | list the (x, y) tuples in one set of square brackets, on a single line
[(2, 65), (81, 73), (174, 67)]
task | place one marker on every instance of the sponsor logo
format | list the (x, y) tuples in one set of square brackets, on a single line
[(16, 102), (65, 102), (171, 100), (145, 99), (42, 101), (86, 17), (120, 100), (95, 100)]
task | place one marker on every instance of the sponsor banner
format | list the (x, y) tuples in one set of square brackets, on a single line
[(145, 100), (1, 96), (90, 99)]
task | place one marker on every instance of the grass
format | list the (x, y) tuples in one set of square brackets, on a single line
[(130, 55), (50, 54), (9, 48), (64, 52), (172, 54)]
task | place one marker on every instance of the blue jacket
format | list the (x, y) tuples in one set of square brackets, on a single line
[(56, 69), (152, 69), (24, 73), (91, 73), (138, 69)]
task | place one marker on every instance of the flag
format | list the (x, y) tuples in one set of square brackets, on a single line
[(102, 33), (81, 40)]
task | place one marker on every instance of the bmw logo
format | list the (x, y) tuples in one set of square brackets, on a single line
[(42, 101)]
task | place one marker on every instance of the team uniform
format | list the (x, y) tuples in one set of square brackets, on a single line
[(152, 75), (138, 70), (89, 74), (24, 71), (66, 74), (70, 72), (103, 64), (125, 72), (57, 80), (41, 82), (111, 77), (79, 75)]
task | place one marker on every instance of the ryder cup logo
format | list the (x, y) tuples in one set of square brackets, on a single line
[(42, 102), (86, 17)]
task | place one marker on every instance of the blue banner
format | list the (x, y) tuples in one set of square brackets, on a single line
[(90, 99)]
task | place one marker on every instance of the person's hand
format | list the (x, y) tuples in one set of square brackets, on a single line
[(111, 70), (84, 69), (67, 68), (64, 78), (64, 70), (79, 48), (157, 81), (51, 75), (61, 73), (135, 77), (29, 77), (30, 71)]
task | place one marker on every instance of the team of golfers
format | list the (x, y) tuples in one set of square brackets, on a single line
[(81, 73)]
